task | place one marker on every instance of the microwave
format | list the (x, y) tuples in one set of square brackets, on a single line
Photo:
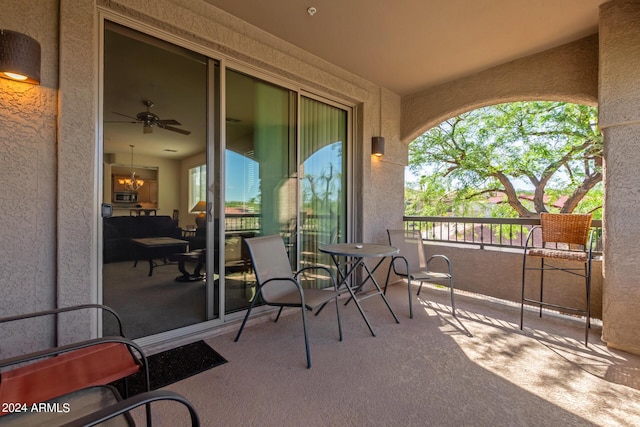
[(125, 197)]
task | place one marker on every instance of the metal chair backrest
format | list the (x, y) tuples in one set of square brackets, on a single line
[(572, 229), (270, 261), (409, 243)]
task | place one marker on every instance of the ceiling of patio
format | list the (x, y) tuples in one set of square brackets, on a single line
[(403, 45), (409, 45)]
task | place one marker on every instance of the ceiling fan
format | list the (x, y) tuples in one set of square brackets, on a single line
[(149, 120)]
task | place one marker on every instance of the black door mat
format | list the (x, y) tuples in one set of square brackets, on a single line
[(171, 366)]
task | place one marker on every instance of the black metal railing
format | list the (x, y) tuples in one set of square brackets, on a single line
[(242, 222), (482, 232)]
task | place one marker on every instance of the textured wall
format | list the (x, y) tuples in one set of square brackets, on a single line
[(567, 73), (77, 170), (384, 205), (28, 176), (620, 120)]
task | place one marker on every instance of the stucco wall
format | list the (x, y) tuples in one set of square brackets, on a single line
[(567, 73), (77, 166), (498, 273), (28, 174), (385, 202), (620, 120)]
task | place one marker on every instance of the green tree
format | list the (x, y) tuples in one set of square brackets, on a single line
[(554, 146)]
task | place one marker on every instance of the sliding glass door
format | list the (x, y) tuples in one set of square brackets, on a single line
[(187, 187), (157, 138)]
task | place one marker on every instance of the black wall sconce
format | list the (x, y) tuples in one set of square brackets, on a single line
[(19, 57), (377, 146)]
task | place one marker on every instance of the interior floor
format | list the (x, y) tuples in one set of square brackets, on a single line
[(149, 305)]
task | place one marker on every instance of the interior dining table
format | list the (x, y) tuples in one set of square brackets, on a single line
[(348, 258)]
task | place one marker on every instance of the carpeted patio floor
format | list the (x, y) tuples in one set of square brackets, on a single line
[(477, 369)]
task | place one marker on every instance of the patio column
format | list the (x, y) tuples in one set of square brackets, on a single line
[(619, 104)]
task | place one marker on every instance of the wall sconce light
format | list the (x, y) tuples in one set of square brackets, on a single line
[(377, 146), (19, 57)]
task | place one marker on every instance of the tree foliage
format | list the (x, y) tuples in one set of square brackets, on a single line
[(554, 147)]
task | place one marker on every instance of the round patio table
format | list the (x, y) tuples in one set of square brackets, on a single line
[(348, 257)]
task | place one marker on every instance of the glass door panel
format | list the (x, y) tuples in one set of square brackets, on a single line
[(156, 125), (260, 184), (322, 171)]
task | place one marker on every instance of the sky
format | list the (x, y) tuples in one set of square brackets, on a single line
[(242, 173)]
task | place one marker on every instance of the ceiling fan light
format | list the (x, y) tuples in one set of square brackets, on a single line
[(149, 120), (133, 183)]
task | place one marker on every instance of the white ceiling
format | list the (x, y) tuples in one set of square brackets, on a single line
[(402, 45), (408, 45)]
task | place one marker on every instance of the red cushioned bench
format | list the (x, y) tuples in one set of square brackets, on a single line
[(50, 373)]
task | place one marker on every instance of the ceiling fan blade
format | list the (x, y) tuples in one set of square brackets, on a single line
[(171, 128), (170, 122), (124, 115)]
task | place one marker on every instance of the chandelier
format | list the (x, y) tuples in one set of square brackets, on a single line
[(132, 183)]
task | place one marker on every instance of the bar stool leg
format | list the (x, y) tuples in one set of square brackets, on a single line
[(541, 283)]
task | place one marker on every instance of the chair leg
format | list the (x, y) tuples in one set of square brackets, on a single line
[(410, 302), (587, 273), (420, 287), (278, 316), (386, 283), (338, 315), (524, 271), (306, 339), (541, 282), (453, 302), (246, 316)]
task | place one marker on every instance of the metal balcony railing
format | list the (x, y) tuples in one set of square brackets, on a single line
[(483, 232), (242, 222)]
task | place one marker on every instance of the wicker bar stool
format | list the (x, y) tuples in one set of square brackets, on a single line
[(565, 237)]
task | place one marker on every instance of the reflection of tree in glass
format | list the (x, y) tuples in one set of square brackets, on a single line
[(321, 192), (322, 184)]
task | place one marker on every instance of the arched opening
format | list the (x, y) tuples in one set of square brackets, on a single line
[(508, 160)]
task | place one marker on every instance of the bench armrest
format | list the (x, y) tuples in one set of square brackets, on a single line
[(57, 311), (126, 405)]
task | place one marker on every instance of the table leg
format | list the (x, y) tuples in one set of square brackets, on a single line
[(188, 277), (364, 282), (344, 281), (151, 265), (341, 279), (375, 282)]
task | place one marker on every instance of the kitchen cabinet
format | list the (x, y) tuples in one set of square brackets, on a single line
[(147, 194)]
